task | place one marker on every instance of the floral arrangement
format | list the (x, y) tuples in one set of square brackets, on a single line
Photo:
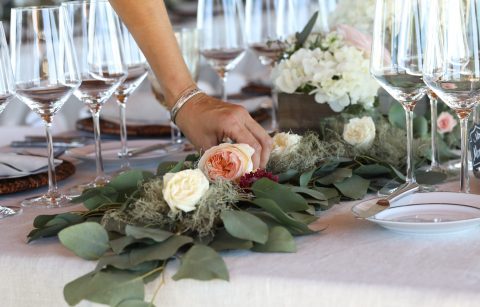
[(333, 67)]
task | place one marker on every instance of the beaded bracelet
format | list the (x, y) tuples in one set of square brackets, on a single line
[(182, 101)]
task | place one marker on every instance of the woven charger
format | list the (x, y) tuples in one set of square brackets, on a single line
[(112, 128), (7, 186)]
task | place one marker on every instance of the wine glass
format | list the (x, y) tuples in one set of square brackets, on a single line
[(452, 63), (46, 74), (221, 23), (397, 59), (268, 23), (434, 158), (7, 92), (97, 37), (137, 70)]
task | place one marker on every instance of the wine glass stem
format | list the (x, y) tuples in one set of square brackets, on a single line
[(122, 105), (52, 180), (433, 110), (223, 76), (98, 142), (464, 180), (410, 167)]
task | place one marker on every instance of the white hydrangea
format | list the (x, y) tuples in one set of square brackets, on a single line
[(359, 14), (337, 73)]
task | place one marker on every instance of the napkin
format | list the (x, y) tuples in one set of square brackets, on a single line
[(13, 165)]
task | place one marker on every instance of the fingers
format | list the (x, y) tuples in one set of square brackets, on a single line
[(263, 138), (243, 135)]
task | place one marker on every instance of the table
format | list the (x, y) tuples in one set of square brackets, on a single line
[(351, 263)]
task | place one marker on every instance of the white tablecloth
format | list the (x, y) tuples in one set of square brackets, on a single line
[(351, 263)]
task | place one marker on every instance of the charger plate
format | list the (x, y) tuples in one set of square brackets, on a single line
[(427, 213)]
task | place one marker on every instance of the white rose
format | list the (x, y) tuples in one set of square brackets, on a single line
[(285, 143), (183, 190), (360, 132)]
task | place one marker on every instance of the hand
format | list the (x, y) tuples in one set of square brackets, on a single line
[(207, 121)]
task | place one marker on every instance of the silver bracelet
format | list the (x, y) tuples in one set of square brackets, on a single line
[(182, 101)]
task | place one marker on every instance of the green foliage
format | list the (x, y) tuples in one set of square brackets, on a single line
[(202, 263), (87, 240)]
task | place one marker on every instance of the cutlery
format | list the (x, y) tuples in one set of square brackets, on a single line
[(165, 147), (43, 144), (384, 203)]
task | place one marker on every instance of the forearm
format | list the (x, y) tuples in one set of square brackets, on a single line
[(148, 22)]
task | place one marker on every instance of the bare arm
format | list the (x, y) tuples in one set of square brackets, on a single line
[(205, 120)]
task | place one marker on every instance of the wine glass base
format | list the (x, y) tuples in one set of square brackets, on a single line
[(9, 211), (97, 183), (49, 200), (394, 185)]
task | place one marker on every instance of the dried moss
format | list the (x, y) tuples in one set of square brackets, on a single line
[(389, 146), (151, 209)]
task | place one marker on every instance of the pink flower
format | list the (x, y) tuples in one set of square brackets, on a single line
[(360, 40), (227, 161), (445, 122)]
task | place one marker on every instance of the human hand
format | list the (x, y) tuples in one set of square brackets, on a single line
[(207, 121)]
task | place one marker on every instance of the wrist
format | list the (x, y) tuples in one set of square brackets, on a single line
[(185, 99)]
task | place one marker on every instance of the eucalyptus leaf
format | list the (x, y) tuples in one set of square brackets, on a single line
[(354, 187), (87, 194), (87, 240), (42, 220), (294, 226), (279, 241), (202, 263), (134, 303), (118, 245), (126, 183), (165, 167), (158, 235), (396, 116), (306, 177), (66, 219), (45, 232), (420, 127), (304, 218), (287, 176), (303, 36), (310, 192), (109, 288), (160, 251), (336, 176), (328, 192), (371, 170), (288, 200), (224, 241), (243, 225)]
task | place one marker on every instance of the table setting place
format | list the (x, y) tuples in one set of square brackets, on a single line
[(327, 154)]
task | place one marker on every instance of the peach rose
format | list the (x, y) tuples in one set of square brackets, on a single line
[(445, 123), (227, 161)]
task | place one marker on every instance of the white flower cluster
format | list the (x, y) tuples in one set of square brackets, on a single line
[(359, 14), (336, 73)]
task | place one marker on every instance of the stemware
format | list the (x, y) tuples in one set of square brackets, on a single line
[(46, 74), (97, 37), (452, 63), (397, 59), (137, 70), (268, 23), (221, 23), (434, 158), (7, 92)]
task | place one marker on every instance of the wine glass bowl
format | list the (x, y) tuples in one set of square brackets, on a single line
[(96, 33), (46, 74), (7, 92), (397, 55), (222, 43)]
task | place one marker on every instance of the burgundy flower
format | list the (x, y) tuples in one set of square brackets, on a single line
[(247, 180)]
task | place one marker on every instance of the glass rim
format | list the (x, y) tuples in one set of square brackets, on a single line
[(36, 8)]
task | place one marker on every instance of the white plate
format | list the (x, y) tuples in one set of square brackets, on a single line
[(428, 213), (110, 151)]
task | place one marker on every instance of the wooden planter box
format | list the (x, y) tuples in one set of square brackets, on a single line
[(300, 112)]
